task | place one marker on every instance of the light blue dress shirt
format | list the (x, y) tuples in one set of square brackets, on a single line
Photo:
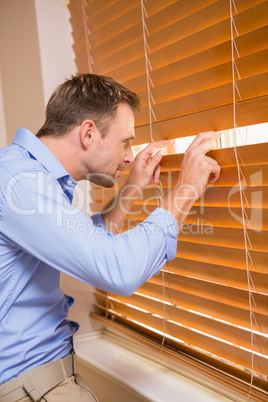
[(41, 235)]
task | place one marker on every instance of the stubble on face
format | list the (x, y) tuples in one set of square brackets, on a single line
[(102, 179), (109, 157)]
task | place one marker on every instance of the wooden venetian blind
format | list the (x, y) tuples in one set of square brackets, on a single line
[(197, 66)]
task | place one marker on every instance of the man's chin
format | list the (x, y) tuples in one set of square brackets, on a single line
[(102, 179)]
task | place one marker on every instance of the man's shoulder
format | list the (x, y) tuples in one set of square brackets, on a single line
[(14, 160)]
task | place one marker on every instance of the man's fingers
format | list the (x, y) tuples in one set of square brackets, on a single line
[(211, 160), (156, 174), (151, 149), (214, 173), (153, 166), (204, 147), (201, 137)]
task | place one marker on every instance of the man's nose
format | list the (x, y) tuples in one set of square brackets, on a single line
[(129, 156)]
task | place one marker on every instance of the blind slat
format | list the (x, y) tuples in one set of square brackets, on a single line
[(196, 23), (215, 77), (206, 303), (95, 7), (227, 332), (194, 44), (220, 274), (251, 42), (213, 291), (217, 96)]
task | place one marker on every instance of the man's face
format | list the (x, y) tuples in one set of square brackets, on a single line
[(113, 152)]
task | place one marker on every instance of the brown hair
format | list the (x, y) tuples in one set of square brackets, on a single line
[(85, 96)]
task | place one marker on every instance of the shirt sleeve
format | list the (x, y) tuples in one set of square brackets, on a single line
[(37, 217)]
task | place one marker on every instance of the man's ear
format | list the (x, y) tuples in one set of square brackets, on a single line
[(88, 131)]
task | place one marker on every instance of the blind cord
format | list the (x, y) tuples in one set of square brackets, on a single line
[(241, 190), (152, 116)]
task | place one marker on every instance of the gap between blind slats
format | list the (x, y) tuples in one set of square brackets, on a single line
[(253, 158), (254, 154), (248, 112), (189, 337), (250, 154)]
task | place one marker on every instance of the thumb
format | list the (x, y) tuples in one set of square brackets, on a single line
[(155, 160)]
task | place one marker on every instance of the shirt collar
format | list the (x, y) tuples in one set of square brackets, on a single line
[(27, 140)]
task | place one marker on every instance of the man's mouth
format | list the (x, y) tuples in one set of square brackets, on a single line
[(121, 169)]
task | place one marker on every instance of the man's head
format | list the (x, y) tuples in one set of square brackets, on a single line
[(89, 127), (85, 96)]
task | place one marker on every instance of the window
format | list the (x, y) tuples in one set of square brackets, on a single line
[(197, 66)]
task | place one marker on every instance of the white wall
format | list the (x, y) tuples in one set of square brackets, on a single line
[(22, 89), (55, 43)]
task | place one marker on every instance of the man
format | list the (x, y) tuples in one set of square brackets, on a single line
[(87, 135)]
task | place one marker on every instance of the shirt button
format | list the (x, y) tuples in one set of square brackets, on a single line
[(69, 182)]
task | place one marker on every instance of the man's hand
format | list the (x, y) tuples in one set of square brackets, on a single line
[(146, 168), (196, 170)]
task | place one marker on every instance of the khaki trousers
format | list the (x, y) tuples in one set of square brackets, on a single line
[(73, 389)]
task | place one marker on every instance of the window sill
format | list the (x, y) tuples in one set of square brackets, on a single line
[(141, 372)]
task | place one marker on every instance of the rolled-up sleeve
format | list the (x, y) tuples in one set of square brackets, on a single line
[(36, 216)]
